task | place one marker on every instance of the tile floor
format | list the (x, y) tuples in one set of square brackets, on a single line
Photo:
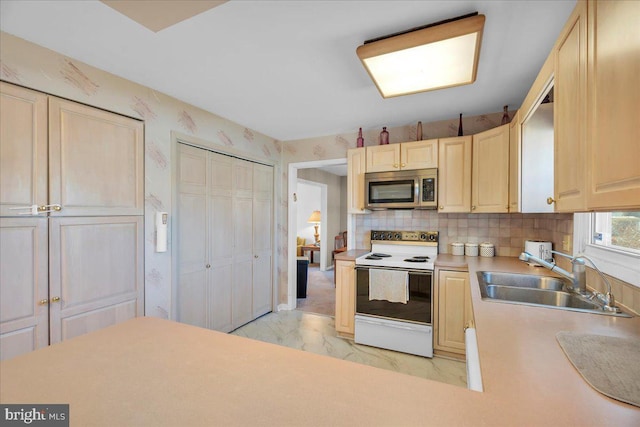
[(316, 333)]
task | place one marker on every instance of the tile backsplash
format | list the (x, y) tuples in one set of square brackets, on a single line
[(506, 231)]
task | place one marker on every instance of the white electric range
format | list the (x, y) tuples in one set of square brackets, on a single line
[(400, 263)]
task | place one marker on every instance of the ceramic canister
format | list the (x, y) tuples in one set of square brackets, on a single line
[(471, 249), (487, 249), (457, 248)]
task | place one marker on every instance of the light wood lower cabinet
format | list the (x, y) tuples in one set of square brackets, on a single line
[(345, 298), (453, 311)]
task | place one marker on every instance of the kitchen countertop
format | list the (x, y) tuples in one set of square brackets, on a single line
[(154, 372), (351, 254)]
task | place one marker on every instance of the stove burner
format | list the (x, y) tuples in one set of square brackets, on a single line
[(377, 258), (415, 259), (421, 257), (380, 255)]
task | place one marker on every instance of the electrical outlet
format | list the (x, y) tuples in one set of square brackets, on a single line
[(566, 243)]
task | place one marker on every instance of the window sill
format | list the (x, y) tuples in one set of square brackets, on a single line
[(621, 265)]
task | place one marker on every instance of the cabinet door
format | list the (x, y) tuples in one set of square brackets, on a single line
[(514, 163), (356, 164), (454, 174), (192, 236), (570, 91), (24, 286), (262, 239), (453, 310), (382, 158), (96, 273), (242, 307), (490, 172), (345, 297), (419, 154), (219, 224), (614, 90), (23, 149), (96, 161)]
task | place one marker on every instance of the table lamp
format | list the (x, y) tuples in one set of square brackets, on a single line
[(315, 219)]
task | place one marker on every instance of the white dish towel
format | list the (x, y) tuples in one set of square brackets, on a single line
[(389, 285)]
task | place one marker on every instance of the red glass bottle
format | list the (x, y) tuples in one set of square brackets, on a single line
[(460, 126), (384, 136), (360, 140), (505, 115)]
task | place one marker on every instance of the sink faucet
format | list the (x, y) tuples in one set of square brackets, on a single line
[(577, 276)]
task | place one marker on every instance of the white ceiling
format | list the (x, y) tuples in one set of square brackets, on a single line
[(289, 69)]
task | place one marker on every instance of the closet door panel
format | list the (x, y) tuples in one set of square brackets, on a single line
[(96, 273), (220, 294), (96, 161), (242, 288), (23, 148), (262, 239), (24, 286), (243, 260)]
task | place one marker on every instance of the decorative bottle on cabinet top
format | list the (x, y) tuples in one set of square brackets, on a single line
[(360, 140), (419, 132), (505, 115), (460, 126), (384, 136)]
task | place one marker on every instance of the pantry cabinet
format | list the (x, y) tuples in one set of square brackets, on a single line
[(490, 171), (345, 298), (613, 81), (356, 165), (403, 156), (570, 113), (453, 310), (71, 219), (454, 174)]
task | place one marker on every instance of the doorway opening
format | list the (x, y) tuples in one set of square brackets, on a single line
[(305, 179)]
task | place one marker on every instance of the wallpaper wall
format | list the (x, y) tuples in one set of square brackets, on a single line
[(35, 67)]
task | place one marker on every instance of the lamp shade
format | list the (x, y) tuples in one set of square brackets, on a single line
[(314, 218), (433, 57)]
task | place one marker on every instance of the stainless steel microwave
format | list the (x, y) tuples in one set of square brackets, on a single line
[(413, 189)]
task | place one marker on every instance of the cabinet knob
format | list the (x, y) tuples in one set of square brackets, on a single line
[(395, 165), (44, 301), (550, 200), (473, 208), (55, 299), (403, 165), (255, 256), (208, 265), (441, 207)]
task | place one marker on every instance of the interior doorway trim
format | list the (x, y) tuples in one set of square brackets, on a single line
[(292, 188)]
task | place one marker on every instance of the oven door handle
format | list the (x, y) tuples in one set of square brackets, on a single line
[(416, 272)]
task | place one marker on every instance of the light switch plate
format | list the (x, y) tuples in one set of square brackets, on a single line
[(566, 243)]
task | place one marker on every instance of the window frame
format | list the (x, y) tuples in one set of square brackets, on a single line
[(617, 263)]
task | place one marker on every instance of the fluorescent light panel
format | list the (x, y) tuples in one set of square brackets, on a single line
[(431, 58)]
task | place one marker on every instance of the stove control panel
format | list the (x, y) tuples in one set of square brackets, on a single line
[(405, 236)]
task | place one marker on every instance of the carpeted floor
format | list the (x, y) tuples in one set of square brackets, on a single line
[(321, 293)]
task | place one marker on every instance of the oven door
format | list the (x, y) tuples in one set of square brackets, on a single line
[(418, 309)]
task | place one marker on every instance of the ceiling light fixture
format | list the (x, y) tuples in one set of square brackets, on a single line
[(435, 56)]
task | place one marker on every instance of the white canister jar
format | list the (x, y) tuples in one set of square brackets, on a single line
[(457, 248), (487, 249), (471, 249)]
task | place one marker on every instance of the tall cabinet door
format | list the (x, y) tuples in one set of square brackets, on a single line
[(192, 236), (613, 144), (23, 149), (490, 171), (96, 273), (242, 242), (454, 174), (262, 239), (220, 224), (24, 310), (96, 161)]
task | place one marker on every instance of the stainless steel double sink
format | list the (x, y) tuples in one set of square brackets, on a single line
[(542, 291)]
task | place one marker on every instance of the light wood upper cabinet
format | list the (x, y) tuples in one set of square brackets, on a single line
[(454, 310), (345, 298), (403, 156), (613, 78), (356, 165), (102, 156), (454, 174), (570, 109), (23, 149), (490, 171), (514, 163)]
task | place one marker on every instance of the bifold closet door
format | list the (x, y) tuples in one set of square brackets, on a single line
[(24, 311), (242, 243), (96, 273), (262, 239)]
